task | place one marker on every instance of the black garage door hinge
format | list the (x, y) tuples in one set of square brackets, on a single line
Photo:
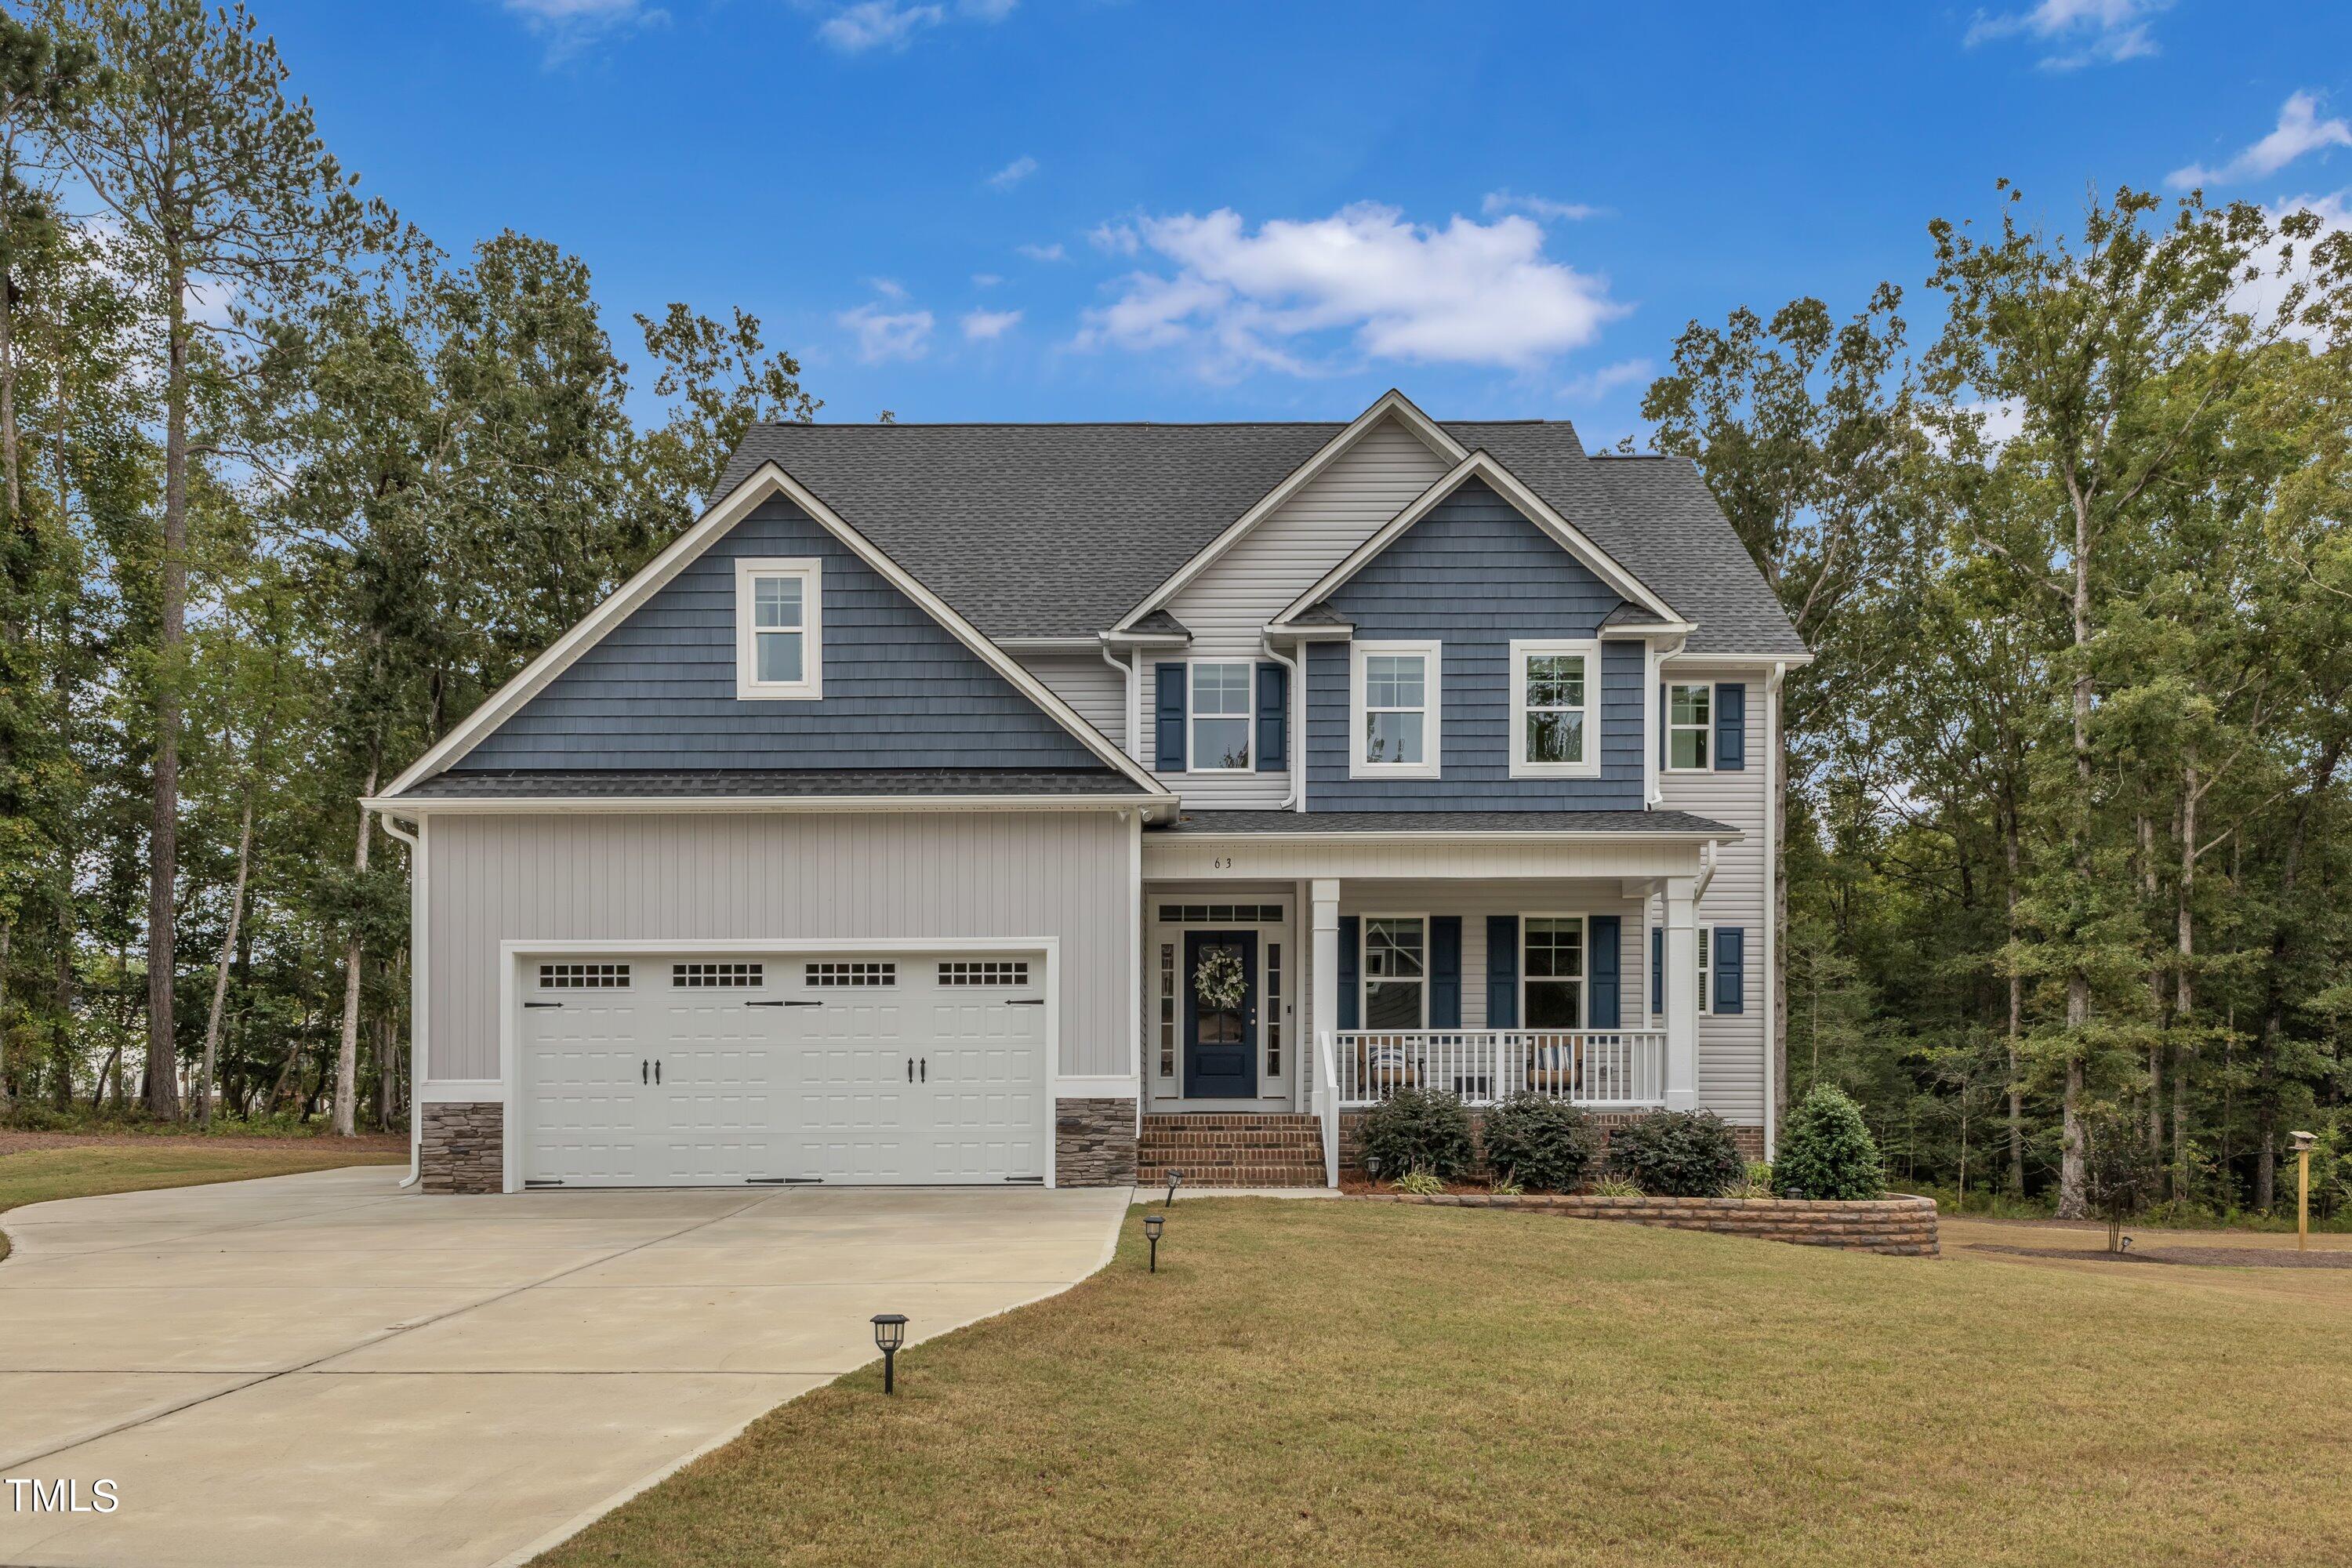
[(780, 1003), (542, 1003), (1025, 1002), (783, 1181)]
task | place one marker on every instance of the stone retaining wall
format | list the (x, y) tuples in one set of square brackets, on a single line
[(464, 1147), (1749, 1140), (1901, 1227), (1094, 1143)]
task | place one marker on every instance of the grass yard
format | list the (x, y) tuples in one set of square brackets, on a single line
[(80, 1170), (1341, 1383)]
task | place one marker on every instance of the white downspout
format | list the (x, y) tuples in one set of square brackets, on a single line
[(1707, 859), (1771, 882), (419, 1006), (1128, 675), (1296, 799)]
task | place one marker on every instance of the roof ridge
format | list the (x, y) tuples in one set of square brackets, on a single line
[(1115, 424)]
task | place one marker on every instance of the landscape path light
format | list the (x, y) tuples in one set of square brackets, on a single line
[(1152, 1224), (2302, 1142), (889, 1333), (1175, 1180)]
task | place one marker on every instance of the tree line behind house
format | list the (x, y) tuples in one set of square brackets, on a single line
[(289, 489)]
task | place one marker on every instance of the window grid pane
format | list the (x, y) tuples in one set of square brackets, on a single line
[(780, 655), (693, 975), (1166, 1009), (1273, 1009), (1555, 949), (1392, 950), (850, 974), (776, 601)]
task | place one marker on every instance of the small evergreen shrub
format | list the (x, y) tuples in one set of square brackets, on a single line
[(1413, 1130), (1826, 1150), (1677, 1154), (1543, 1145)]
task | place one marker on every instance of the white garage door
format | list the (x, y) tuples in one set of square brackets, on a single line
[(868, 1067)]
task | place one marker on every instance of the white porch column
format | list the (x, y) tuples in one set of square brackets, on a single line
[(1681, 994), (1323, 896)]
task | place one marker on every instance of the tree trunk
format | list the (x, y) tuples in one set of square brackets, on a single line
[(347, 1052), (2071, 1174), (164, 845), (2014, 854), (220, 970), (2184, 992)]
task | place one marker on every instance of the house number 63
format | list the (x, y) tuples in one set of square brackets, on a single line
[(1221, 863)]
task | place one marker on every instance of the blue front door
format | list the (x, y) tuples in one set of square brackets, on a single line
[(1220, 1041)]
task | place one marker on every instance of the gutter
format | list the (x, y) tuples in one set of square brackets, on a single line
[(1296, 799), (418, 996), (1771, 906), (1130, 676), (1163, 803)]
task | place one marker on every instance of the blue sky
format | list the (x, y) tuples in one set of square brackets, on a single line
[(1078, 209)]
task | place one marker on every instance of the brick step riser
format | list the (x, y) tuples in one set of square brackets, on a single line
[(1219, 1147)]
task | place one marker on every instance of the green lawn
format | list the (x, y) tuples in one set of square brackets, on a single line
[(1333, 1382), (37, 1175)]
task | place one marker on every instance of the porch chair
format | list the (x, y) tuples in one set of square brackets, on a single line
[(1554, 1069)]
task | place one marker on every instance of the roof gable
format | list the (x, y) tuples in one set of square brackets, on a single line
[(648, 679), (1481, 467)]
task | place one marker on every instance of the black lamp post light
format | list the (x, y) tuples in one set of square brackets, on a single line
[(1152, 1224), (1175, 1180), (889, 1333)]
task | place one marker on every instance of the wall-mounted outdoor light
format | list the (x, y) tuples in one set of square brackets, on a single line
[(1152, 1224), (889, 1333)]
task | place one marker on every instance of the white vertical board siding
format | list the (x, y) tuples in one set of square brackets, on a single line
[(882, 876), (1228, 604), (1730, 1046), (1083, 680)]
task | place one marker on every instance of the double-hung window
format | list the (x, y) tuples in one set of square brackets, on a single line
[(1221, 717), (1552, 970), (778, 650), (1554, 709), (1396, 973), (1690, 727), (1395, 697)]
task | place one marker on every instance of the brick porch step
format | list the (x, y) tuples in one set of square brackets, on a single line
[(1232, 1149)]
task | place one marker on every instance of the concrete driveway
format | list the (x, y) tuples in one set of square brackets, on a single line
[(319, 1368)]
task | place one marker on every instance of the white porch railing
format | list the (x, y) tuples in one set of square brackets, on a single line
[(1323, 1093), (1603, 1068)]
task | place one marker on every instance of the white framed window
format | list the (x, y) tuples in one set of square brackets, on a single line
[(984, 972), (1167, 1009), (691, 976), (584, 976), (823, 975), (1219, 706), (1690, 729), (1273, 1009), (778, 630), (1554, 709), (1552, 970), (1394, 701), (1396, 972)]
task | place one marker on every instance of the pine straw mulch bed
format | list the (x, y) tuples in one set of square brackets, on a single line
[(12, 1141)]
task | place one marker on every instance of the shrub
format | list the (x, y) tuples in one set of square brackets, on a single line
[(1826, 1150), (1615, 1187), (1418, 1185), (1677, 1153), (1544, 1145), (1416, 1131), (2120, 1172)]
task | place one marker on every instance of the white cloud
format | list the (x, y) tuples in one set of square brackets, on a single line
[(1500, 202), (1117, 238), (1469, 293), (1042, 252), (570, 27), (2079, 32), (867, 25), (985, 279), (1013, 174), (987, 326), (1607, 379), (886, 335), (889, 287), (2299, 130)]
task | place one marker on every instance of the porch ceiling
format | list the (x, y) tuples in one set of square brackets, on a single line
[(1228, 845)]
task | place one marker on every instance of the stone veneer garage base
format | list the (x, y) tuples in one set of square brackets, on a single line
[(1902, 1226), (1094, 1143), (463, 1148)]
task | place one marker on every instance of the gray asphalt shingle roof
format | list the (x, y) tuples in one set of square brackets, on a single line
[(623, 783), (1060, 529), (1443, 822)]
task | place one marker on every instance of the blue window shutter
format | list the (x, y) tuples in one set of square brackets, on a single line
[(1730, 969), (1351, 946), (1606, 961), (1666, 717), (1730, 727), (1168, 737), (1657, 969), (1502, 971), (1273, 713), (1446, 971)]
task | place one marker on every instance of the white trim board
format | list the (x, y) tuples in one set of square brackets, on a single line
[(1483, 466), (512, 951), (1390, 402), (765, 481)]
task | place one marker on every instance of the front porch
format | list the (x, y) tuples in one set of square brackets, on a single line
[(1296, 974)]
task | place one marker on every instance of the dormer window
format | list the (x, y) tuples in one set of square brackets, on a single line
[(778, 650)]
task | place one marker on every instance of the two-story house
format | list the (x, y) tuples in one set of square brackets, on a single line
[(1053, 803)]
